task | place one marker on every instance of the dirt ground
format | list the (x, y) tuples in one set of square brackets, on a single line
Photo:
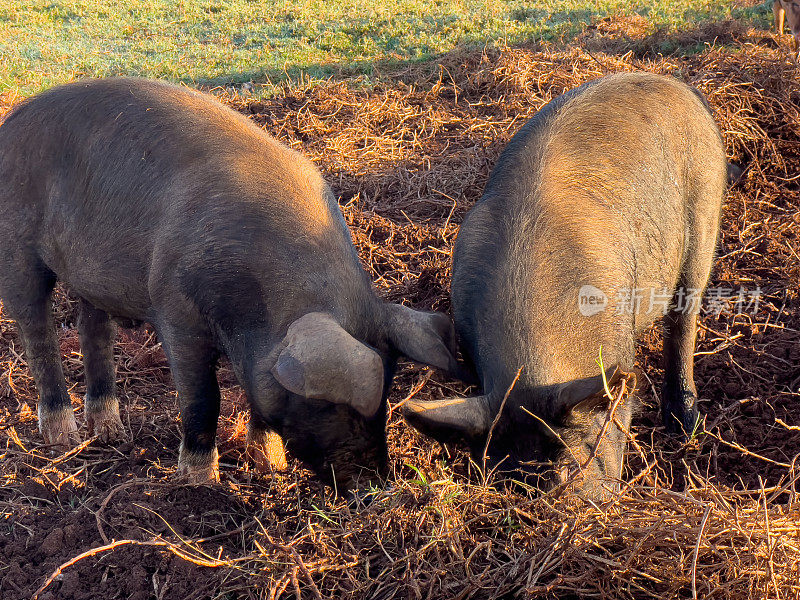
[(716, 517)]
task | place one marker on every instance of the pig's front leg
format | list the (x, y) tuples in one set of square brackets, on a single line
[(192, 358)]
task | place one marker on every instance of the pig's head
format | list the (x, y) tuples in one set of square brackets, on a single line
[(335, 417), (569, 441)]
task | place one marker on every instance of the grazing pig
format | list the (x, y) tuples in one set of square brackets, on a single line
[(156, 203), (610, 193)]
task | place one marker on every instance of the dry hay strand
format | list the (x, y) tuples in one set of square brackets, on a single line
[(716, 517), (445, 538)]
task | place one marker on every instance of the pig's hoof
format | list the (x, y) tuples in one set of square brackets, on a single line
[(102, 419), (198, 469), (680, 414), (59, 428), (266, 450)]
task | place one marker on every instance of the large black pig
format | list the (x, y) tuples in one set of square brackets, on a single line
[(157, 204), (601, 214)]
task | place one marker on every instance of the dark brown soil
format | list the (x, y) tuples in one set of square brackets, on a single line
[(408, 158)]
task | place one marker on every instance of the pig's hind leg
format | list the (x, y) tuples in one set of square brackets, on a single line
[(679, 394), (26, 286), (97, 345)]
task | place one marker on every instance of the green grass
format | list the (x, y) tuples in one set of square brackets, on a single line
[(45, 42)]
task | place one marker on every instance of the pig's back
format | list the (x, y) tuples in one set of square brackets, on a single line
[(116, 181), (125, 149), (592, 191)]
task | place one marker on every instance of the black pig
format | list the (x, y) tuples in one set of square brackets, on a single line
[(157, 204), (610, 193)]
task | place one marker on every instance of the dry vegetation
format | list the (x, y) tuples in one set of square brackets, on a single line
[(717, 517)]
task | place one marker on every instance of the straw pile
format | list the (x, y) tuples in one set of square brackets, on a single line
[(716, 517)]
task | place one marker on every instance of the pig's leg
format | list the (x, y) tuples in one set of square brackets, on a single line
[(97, 344), (264, 446), (679, 399), (779, 14), (193, 359), (26, 294), (679, 395)]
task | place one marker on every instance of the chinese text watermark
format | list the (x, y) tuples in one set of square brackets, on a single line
[(632, 301)]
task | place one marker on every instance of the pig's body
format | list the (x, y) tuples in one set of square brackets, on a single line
[(616, 185), (155, 203), (135, 217)]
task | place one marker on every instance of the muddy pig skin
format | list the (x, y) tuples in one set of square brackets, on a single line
[(601, 214), (154, 203)]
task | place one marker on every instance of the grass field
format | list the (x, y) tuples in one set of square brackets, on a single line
[(405, 109), (45, 42)]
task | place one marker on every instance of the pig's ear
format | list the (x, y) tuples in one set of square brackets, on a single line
[(425, 337), (450, 420), (321, 360), (572, 393)]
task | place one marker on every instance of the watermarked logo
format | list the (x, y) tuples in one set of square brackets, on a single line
[(647, 301), (591, 300)]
